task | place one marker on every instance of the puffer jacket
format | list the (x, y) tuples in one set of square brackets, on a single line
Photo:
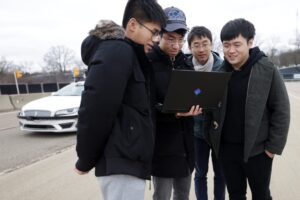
[(115, 133)]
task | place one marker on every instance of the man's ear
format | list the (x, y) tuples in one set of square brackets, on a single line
[(132, 25), (250, 42)]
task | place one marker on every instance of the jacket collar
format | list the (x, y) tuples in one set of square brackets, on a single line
[(158, 55), (217, 60)]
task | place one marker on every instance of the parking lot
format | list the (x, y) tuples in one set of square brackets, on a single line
[(53, 178)]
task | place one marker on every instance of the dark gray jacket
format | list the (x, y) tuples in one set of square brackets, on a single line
[(267, 112)]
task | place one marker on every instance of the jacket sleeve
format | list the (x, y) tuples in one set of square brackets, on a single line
[(279, 106), (110, 69)]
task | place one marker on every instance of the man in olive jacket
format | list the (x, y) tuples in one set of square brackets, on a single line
[(253, 121)]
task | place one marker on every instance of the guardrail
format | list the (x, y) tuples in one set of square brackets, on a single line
[(15, 102), (26, 88)]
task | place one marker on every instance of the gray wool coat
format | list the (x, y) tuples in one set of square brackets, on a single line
[(267, 113)]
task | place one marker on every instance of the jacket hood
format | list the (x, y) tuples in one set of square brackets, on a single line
[(107, 29), (104, 30), (255, 54)]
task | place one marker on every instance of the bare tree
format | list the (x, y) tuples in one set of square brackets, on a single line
[(297, 41), (297, 50), (296, 57), (273, 56), (5, 65), (258, 41), (25, 66), (80, 64), (290, 58), (297, 35), (273, 52), (217, 44), (58, 58)]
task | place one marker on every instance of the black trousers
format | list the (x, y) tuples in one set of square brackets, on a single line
[(257, 171)]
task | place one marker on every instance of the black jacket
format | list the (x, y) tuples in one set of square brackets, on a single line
[(115, 133), (173, 152)]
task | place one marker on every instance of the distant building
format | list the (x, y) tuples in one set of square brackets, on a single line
[(290, 72)]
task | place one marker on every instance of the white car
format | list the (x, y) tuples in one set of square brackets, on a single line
[(55, 113)]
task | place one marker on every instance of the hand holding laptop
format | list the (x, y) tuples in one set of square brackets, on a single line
[(195, 110)]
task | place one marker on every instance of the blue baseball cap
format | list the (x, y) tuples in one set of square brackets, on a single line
[(175, 19)]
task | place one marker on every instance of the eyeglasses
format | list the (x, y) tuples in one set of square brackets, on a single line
[(173, 41), (155, 34), (198, 46)]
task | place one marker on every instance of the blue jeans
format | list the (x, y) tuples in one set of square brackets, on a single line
[(202, 151)]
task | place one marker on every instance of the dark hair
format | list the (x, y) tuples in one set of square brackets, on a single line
[(181, 32), (234, 28), (199, 31), (144, 11)]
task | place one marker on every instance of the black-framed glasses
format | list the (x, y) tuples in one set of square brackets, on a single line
[(155, 34)]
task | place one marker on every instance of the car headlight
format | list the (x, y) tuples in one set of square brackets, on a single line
[(67, 112), (21, 114)]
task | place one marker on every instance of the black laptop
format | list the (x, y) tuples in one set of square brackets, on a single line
[(187, 88)]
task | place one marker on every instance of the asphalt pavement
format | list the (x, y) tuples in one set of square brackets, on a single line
[(53, 178)]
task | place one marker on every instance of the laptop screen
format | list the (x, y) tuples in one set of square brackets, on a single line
[(187, 88)]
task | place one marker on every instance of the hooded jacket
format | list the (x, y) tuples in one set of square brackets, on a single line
[(173, 153), (202, 121), (115, 133), (266, 114)]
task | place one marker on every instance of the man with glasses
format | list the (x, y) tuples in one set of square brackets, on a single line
[(204, 59), (173, 160), (115, 132)]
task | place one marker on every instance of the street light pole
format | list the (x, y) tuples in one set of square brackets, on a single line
[(16, 81)]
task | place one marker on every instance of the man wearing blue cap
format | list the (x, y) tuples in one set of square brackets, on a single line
[(173, 160)]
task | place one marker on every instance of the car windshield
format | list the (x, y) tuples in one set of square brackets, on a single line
[(73, 89)]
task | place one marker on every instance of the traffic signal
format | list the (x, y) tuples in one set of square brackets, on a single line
[(75, 71), (18, 73)]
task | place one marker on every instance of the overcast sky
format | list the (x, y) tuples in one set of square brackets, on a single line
[(29, 28)]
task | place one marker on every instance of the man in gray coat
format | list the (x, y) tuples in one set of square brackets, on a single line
[(252, 124)]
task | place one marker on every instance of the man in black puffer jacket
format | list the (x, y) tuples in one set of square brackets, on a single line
[(173, 160), (115, 133)]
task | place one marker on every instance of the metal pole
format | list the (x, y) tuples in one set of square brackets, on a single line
[(42, 87), (16, 81), (297, 40), (27, 90)]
